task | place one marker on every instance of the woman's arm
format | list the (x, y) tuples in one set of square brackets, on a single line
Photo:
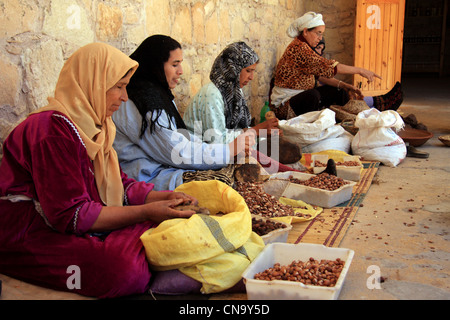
[(267, 128), (158, 206), (166, 145), (111, 218), (345, 69), (65, 187), (205, 115), (353, 91), (172, 148)]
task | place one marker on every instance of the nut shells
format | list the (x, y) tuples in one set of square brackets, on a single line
[(263, 204), (322, 181), (262, 227)]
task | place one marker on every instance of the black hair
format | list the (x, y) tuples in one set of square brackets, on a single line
[(148, 88)]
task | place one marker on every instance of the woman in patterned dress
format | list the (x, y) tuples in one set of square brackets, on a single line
[(300, 67)]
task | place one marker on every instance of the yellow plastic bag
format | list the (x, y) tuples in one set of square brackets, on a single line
[(214, 249), (299, 206), (225, 270)]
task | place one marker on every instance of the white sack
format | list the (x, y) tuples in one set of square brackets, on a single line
[(377, 139), (311, 127)]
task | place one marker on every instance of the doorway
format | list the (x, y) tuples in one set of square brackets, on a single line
[(426, 39), (379, 43)]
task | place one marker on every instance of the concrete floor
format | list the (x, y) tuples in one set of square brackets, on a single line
[(402, 231)]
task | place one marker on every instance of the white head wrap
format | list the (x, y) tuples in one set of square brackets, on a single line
[(308, 20)]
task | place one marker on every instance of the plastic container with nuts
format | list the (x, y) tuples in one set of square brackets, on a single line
[(285, 254), (314, 196), (349, 169), (277, 235)]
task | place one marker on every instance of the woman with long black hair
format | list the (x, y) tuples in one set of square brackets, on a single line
[(151, 140)]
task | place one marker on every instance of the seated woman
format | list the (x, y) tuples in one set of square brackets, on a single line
[(70, 219), (351, 91), (339, 89), (219, 111), (299, 67), (150, 141)]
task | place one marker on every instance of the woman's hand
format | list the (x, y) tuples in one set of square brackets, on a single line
[(160, 211), (369, 75), (187, 199), (353, 92), (345, 69), (243, 143), (270, 126), (159, 206), (154, 196)]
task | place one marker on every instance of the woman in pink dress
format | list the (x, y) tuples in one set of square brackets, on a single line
[(70, 219)]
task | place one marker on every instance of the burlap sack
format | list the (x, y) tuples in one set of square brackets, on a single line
[(341, 114), (355, 106)]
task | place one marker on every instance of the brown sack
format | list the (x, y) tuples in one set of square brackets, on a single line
[(342, 115), (355, 106)]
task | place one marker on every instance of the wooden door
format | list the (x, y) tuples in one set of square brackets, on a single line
[(379, 43)]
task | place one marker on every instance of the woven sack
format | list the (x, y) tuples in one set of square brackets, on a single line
[(349, 126), (225, 175), (284, 111), (355, 106), (341, 114)]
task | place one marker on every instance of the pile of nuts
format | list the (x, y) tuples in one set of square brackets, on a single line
[(317, 163), (263, 204), (312, 272), (338, 163), (262, 227), (323, 181)]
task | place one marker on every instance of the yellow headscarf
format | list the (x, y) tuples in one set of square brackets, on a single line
[(80, 94)]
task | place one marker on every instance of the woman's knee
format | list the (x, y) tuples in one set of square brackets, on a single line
[(306, 101), (116, 277)]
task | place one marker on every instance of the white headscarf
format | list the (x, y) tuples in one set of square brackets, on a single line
[(308, 20)]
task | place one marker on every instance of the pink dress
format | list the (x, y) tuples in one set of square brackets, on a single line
[(44, 235)]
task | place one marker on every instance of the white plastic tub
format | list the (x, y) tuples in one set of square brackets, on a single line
[(313, 196), (285, 253), (352, 173), (277, 235)]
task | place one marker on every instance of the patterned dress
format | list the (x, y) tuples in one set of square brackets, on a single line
[(300, 65)]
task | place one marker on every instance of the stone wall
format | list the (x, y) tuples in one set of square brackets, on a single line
[(37, 36)]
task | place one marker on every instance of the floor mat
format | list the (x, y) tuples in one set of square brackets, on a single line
[(330, 226)]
